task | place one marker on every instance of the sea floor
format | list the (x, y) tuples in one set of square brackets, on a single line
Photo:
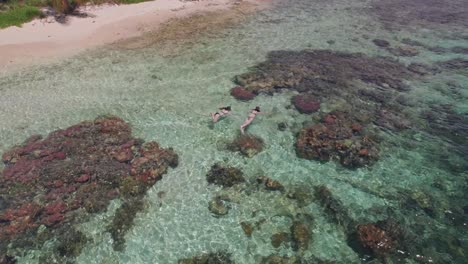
[(166, 91)]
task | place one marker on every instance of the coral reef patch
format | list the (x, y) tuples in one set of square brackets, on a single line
[(337, 137), (51, 182)]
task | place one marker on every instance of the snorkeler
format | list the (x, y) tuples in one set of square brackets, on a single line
[(223, 111), (252, 114)]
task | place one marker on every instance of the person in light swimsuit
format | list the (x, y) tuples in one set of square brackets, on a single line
[(223, 111), (252, 114)]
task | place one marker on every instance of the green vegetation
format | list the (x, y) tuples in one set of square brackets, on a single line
[(17, 12), (17, 15)]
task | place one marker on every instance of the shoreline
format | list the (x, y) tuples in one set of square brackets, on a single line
[(45, 40)]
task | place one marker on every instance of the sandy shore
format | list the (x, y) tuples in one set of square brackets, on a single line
[(45, 39)]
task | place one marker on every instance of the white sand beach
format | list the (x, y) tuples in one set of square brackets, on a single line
[(46, 39)]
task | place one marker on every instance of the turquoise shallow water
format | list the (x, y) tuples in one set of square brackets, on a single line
[(168, 99)]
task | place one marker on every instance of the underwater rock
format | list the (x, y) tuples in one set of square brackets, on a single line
[(444, 122), (247, 228), (454, 64), (302, 195), (242, 94), (209, 258), (280, 238), (70, 169), (306, 103), (381, 43), (321, 72), (6, 259), (337, 137), (247, 145), (412, 42), (380, 239), (282, 126), (270, 184), (217, 206), (404, 51), (71, 243), (275, 259), (391, 120), (439, 14), (460, 50), (422, 69), (300, 236), (123, 221), (224, 176), (375, 238), (333, 207)]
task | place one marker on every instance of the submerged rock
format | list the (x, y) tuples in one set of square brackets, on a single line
[(224, 176), (302, 195), (242, 94), (454, 64), (218, 206), (337, 137), (300, 236), (321, 72), (381, 43), (83, 166), (280, 238), (404, 51), (443, 14), (270, 184), (209, 258), (275, 259), (306, 103), (247, 145), (333, 207), (375, 238), (123, 221), (247, 228)]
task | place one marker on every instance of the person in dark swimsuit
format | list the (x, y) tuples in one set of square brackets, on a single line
[(223, 111), (252, 114)]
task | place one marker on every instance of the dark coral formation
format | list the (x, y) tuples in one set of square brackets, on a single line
[(218, 206), (270, 184), (240, 93), (382, 238), (322, 72), (376, 239), (381, 43), (373, 86), (280, 238), (397, 14), (454, 64), (275, 259), (247, 145), (86, 165), (247, 228), (333, 207), (224, 176), (337, 137), (209, 258), (123, 221), (306, 103), (300, 235)]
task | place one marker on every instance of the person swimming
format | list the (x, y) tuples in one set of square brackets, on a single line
[(223, 111), (252, 114)]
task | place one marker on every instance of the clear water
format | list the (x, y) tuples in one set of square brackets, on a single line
[(168, 98)]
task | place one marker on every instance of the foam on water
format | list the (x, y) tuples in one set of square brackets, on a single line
[(168, 99)]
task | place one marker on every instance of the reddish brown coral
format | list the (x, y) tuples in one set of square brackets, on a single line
[(46, 180), (240, 93), (306, 103), (375, 238), (339, 137)]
